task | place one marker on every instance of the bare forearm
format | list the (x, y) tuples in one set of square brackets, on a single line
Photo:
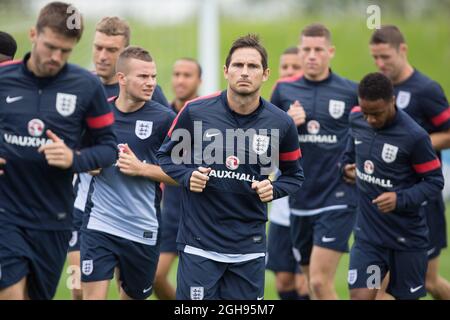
[(155, 173), (440, 140)]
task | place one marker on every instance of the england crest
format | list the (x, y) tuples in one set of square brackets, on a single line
[(403, 99), (260, 144), (143, 129), (65, 103), (197, 293), (87, 267), (336, 108), (352, 276), (389, 153)]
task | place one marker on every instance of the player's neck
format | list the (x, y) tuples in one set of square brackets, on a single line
[(243, 104), (316, 78), (406, 72), (127, 104), (110, 80), (32, 67), (179, 103)]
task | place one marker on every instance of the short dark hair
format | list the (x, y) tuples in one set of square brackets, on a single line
[(56, 16), (375, 86), (291, 50), (388, 34), (114, 26), (248, 41), (316, 30), (133, 52), (199, 67), (8, 45)]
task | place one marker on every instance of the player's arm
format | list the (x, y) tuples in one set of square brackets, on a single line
[(129, 164), (436, 108), (428, 168), (441, 140), (102, 153), (348, 166), (292, 177), (174, 155), (295, 110)]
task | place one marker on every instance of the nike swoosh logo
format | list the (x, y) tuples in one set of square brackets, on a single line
[(260, 298), (147, 290), (358, 142), (13, 99), (209, 135), (325, 239), (412, 290)]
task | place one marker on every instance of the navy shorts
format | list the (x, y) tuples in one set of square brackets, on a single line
[(37, 254), (169, 230), (199, 278), (369, 264), (74, 243), (330, 229), (101, 253), (280, 256), (435, 213)]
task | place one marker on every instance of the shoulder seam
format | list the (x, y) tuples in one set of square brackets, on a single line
[(290, 79), (9, 63), (212, 95)]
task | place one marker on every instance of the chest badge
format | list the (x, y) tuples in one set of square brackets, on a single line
[(143, 129), (313, 127), (260, 144), (369, 167), (336, 108), (389, 153), (65, 103), (36, 127), (403, 99)]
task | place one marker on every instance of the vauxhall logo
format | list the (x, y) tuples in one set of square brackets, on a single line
[(235, 148), (36, 129)]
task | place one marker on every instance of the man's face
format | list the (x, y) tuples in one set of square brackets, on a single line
[(377, 113), (389, 60), (289, 65), (185, 79), (245, 73), (50, 51), (315, 55), (139, 79), (106, 51)]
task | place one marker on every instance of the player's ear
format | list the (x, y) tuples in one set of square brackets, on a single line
[(266, 75), (121, 77), (403, 48), (332, 51), (225, 72), (32, 34)]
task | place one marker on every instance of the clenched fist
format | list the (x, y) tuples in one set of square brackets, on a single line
[(386, 202), (297, 113), (199, 178), (57, 153), (264, 189)]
